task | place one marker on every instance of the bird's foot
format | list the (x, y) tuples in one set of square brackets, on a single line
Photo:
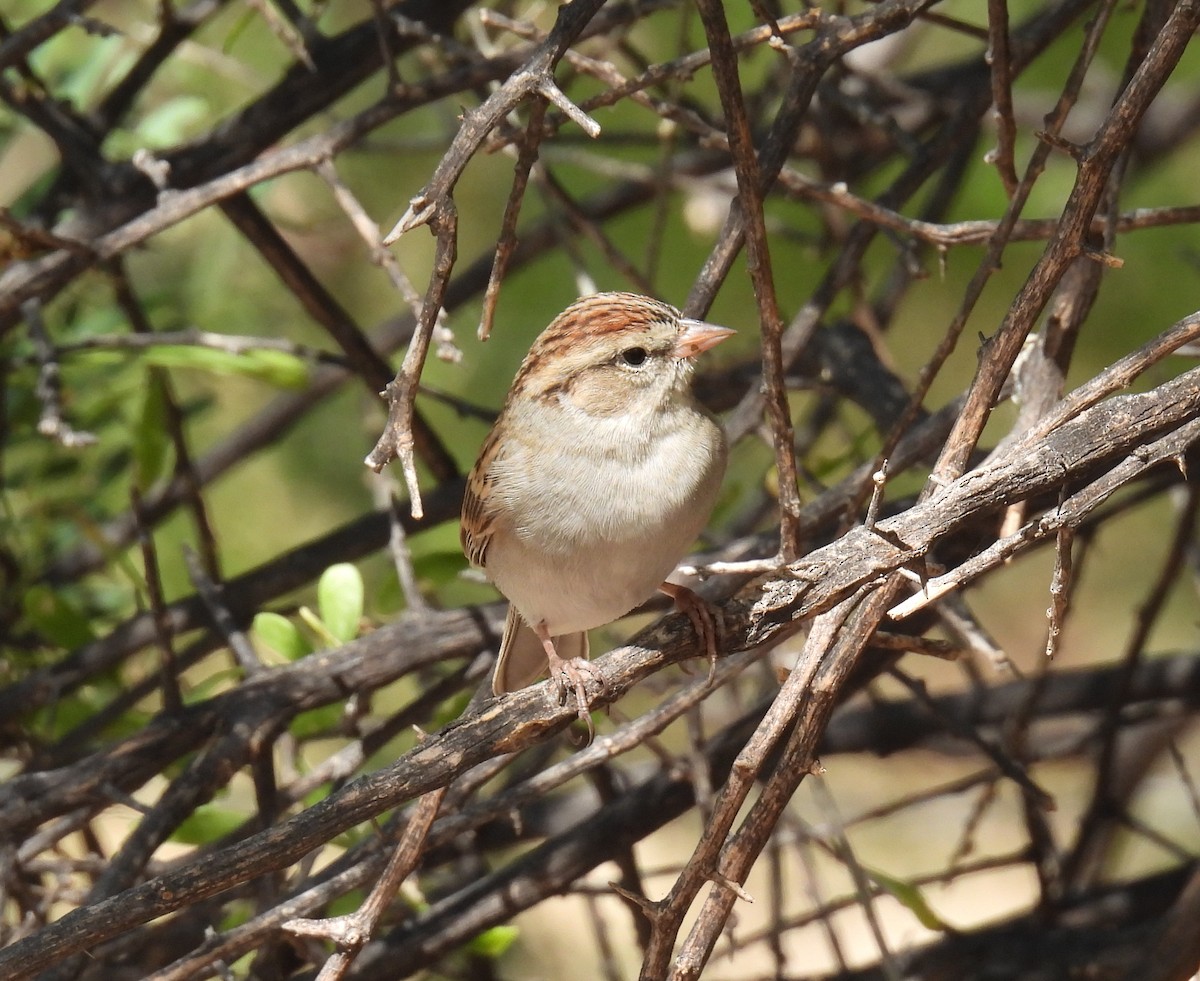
[(706, 620), (573, 676)]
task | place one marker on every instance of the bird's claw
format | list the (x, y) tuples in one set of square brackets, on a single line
[(573, 676), (705, 620)]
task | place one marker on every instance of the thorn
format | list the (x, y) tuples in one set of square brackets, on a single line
[(879, 482), (419, 212), (649, 907), (552, 93), (1104, 258), (1072, 150), (737, 888)]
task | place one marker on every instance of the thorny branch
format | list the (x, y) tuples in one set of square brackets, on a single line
[(763, 614), (836, 168)]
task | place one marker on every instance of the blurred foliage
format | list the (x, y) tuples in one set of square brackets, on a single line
[(59, 503), (202, 274)]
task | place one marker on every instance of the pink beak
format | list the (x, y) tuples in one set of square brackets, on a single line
[(696, 336)]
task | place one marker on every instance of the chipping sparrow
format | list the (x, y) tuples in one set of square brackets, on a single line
[(595, 480)]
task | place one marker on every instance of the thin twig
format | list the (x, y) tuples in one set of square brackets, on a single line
[(397, 439), (750, 202), (534, 77), (172, 700), (351, 932), (51, 422), (999, 60), (506, 245)]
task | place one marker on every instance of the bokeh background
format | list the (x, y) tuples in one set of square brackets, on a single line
[(72, 575)]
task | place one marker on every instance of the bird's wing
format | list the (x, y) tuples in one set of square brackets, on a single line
[(479, 512)]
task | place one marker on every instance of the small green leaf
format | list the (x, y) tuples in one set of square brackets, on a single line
[(210, 685), (346, 903), (150, 438), (206, 823), (314, 623), (274, 367), (340, 600), (278, 368), (451, 709), (322, 721), (439, 568), (494, 942), (909, 896), (173, 121), (53, 615), (281, 635)]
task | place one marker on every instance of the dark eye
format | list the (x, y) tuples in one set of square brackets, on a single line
[(634, 356)]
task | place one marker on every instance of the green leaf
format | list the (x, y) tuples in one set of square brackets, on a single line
[(274, 367), (55, 618), (439, 568), (150, 438), (340, 600), (322, 721), (281, 635), (206, 823), (278, 368), (173, 121), (213, 684), (909, 896), (451, 709), (494, 942), (346, 903), (314, 623)]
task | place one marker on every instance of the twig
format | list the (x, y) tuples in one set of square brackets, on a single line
[(397, 439), (835, 833), (194, 337), (368, 230), (352, 931), (802, 706), (1071, 511), (878, 485), (49, 384), (506, 244), (1079, 864), (998, 58), (1060, 588), (535, 76), (1003, 762), (211, 593), (284, 32), (944, 650), (45, 276), (972, 232), (172, 700), (39, 29), (1097, 160), (750, 201), (414, 599)]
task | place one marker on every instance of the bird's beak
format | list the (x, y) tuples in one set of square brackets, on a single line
[(696, 336)]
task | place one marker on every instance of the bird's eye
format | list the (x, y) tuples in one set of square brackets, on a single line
[(634, 356)]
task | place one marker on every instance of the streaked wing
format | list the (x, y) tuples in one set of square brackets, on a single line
[(478, 512)]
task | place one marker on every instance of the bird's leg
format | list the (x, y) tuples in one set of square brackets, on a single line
[(570, 674), (705, 619)]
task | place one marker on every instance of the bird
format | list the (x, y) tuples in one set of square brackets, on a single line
[(596, 478)]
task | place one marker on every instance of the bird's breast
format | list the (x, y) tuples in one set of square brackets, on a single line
[(578, 480)]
